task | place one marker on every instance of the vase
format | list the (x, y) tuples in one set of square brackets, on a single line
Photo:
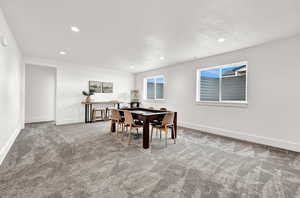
[(88, 99)]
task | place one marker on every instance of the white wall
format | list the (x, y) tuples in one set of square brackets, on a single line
[(11, 90), (40, 85), (73, 79), (272, 114)]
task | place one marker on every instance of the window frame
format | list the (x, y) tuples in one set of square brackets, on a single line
[(146, 90), (220, 101)]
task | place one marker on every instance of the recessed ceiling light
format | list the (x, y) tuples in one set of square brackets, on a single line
[(75, 29), (221, 40), (162, 58), (62, 53)]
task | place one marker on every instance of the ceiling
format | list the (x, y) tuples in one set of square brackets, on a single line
[(133, 35)]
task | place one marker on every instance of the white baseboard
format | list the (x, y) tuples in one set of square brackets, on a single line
[(39, 119), (243, 136), (64, 122), (10, 142)]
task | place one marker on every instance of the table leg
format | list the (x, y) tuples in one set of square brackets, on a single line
[(146, 134), (175, 125), (90, 113), (113, 126), (86, 113)]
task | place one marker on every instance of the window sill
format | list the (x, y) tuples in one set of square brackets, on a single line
[(224, 104)]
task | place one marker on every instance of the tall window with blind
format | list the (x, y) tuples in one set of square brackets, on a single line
[(225, 83), (154, 88)]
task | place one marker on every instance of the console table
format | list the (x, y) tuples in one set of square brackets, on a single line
[(89, 108)]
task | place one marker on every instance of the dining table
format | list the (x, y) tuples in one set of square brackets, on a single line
[(146, 116)]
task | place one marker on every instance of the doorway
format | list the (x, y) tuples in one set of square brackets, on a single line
[(40, 93)]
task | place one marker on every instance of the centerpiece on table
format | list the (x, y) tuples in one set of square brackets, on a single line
[(135, 95), (88, 95)]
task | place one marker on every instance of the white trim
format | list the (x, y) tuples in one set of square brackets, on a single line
[(278, 143), (223, 104), (4, 150), (198, 70), (39, 119), (224, 65), (65, 122)]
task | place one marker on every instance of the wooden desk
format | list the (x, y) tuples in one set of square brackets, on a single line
[(147, 115), (89, 108)]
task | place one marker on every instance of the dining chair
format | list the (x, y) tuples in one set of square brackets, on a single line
[(158, 122), (167, 123), (101, 110), (130, 124), (110, 106), (119, 121)]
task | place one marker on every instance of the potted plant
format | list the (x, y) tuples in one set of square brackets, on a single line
[(88, 95)]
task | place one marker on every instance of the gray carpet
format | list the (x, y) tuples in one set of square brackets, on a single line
[(84, 160)]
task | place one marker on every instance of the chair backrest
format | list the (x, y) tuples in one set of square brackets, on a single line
[(168, 118), (163, 109), (128, 118), (115, 115)]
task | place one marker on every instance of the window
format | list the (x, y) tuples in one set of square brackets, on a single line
[(154, 88), (226, 83)]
